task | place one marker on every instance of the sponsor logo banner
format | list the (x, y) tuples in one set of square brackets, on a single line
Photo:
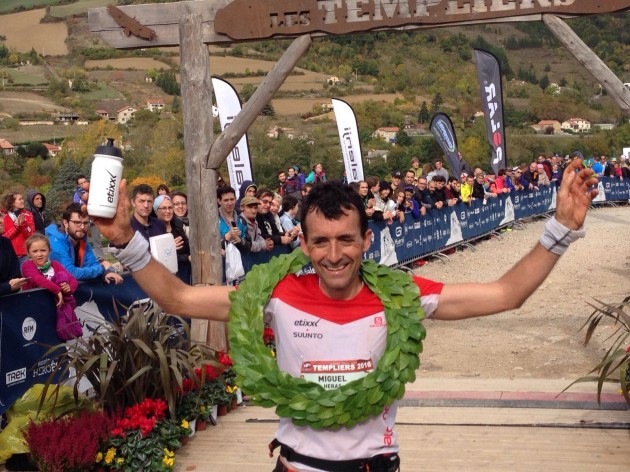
[(349, 140), (229, 105), (442, 128), (489, 74)]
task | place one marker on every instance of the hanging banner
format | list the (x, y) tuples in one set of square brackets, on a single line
[(489, 74), (442, 128), (349, 139), (229, 105)]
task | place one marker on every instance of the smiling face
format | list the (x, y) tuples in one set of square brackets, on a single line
[(18, 204), (38, 252), (336, 249), (180, 206)]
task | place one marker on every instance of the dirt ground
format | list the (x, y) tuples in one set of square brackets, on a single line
[(542, 338)]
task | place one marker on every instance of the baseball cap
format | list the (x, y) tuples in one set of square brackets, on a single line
[(397, 174), (249, 200), (614, 159), (384, 184), (515, 168)]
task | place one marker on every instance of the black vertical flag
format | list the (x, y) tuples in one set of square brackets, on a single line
[(489, 74), (442, 128)]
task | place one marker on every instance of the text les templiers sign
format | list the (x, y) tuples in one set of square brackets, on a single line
[(246, 19)]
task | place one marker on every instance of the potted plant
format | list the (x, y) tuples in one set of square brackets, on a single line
[(144, 353), (54, 444), (614, 366), (138, 442)]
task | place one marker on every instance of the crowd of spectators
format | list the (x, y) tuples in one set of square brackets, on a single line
[(257, 219)]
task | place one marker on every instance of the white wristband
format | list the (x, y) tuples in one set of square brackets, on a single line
[(136, 255), (557, 237)]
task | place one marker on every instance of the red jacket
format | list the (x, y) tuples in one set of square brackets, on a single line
[(19, 234)]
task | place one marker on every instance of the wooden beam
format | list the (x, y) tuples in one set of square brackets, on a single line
[(585, 56), (263, 94), (164, 18), (201, 183)]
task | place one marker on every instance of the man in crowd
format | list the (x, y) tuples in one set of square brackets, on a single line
[(249, 210), (69, 246), (530, 177), (266, 222), (81, 195), (452, 189), (142, 221), (440, 170), (232, 229), (396, 181), (335, 235), (467, 189)]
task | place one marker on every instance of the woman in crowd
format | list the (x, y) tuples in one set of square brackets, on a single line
[(18, 224), (162, 189), (43, 272), (290, 208), (180, 210), (163, 207), (499, 185), (317, 175), (10, 278), (37, 205)]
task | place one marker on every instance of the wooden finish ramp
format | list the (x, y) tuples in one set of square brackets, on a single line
[(532, 430)]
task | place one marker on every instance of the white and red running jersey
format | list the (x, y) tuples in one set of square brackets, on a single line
[(332, 342)]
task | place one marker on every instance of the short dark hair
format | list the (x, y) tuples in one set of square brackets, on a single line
[(263, 192), (439, 178), (70, 209), (453, 179), (162, 187), (333, 200), (142, 189), (289, 202), (223, 190), (179, 193), (80, 176)]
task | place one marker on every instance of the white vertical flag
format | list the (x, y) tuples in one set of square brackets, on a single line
[(229, 105), (349, 140)]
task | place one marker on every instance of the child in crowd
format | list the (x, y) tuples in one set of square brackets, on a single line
[(45, 273)]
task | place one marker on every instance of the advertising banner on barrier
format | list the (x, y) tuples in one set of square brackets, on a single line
[(442, 128), (489, 74), (27, 327), (229, 105), (349, 140)]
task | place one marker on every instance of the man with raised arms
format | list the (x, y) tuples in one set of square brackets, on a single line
[(346, 329)]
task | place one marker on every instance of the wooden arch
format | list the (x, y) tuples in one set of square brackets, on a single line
[(192, 25)]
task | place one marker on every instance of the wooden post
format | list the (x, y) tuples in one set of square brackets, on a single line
[(590, 61), (196, 86)]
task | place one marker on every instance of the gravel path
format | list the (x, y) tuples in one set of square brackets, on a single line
[(542, 338)]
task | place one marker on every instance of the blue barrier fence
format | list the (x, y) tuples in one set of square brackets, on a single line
[(27, 319)]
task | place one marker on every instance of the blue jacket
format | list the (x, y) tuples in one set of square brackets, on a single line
[(62, 250)]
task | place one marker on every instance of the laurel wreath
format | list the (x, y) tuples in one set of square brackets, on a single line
[(308, 403)]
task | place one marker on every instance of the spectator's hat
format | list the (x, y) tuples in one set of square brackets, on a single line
[(396, 175), (158, 201), (540, 166), (515, 168), (384, 184), (249, 200), (509, 169), (614, 159)]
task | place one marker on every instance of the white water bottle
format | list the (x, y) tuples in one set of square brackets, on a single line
[(104, 180)]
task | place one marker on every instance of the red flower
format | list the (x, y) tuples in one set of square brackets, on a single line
[(224, 358)]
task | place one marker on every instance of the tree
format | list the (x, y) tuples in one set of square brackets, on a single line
[(63, 186), (436, 103), (402, 138), (423, 116), (544, 82)]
